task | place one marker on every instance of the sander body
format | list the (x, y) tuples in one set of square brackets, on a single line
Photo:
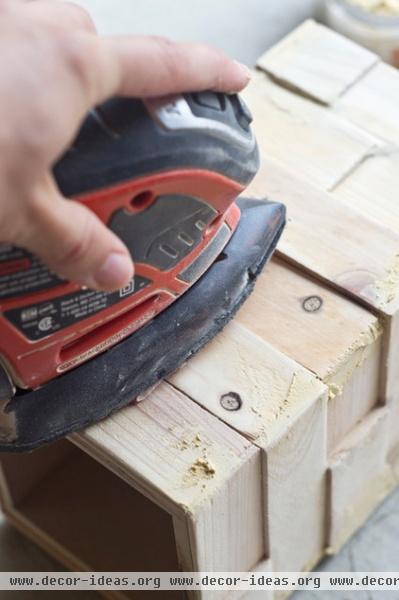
[(164, 175)]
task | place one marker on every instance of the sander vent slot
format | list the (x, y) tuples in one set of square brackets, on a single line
[(111, 332)]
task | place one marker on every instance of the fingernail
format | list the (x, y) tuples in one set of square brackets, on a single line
[(246, 71), (115, 272)]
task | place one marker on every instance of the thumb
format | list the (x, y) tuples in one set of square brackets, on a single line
[(74, 243)]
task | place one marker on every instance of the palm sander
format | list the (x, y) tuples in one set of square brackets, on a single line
[(164, 175)]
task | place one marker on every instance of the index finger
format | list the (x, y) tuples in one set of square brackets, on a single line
[(151, 66)]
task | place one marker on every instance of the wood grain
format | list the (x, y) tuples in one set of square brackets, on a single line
[(372, 103), (283, 412), (333, 240), (303, 136), (359, 477), (317, 62)]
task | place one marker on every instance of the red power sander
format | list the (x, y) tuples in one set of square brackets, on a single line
[(164, 175)]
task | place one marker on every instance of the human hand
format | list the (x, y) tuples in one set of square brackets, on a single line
[(54, 69)]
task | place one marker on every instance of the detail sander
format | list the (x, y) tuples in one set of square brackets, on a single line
[(164, 175)]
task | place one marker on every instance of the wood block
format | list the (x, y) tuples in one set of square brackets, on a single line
[(349, 237), (296, 477), (345, 248), (339, 342), (359, 477), (370, 188), (317, 62), (372, 103), (195, 478), (301, 134), (281, 407), (332, 240)]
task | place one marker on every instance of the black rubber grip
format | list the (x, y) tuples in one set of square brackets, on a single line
[(122, 140)]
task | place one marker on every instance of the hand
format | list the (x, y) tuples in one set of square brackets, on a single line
[(54, 68)]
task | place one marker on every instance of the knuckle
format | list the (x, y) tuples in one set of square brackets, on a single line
[(81, 16), (77, 52), (32, 139)]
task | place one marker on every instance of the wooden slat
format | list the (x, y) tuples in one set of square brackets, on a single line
[(372, 103), (321, 340), (331, 239), (283, 411), (390, 373), (360, 387), (318, 62), (304, 136), (340, 343), (161, 424), (371, 188), (193, 466), (271, 387), (359, 477), (351, 236), (296, 478)]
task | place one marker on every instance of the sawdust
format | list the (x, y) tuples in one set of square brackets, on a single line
[(283, 406), (378, 7), (334, 391), (386, 289), (339, 374), (199, 470), (185, 444)]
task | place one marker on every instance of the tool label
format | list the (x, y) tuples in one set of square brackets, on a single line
[(37, 321), (22, 272)]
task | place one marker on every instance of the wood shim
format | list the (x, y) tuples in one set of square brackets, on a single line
[(317, 62)]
